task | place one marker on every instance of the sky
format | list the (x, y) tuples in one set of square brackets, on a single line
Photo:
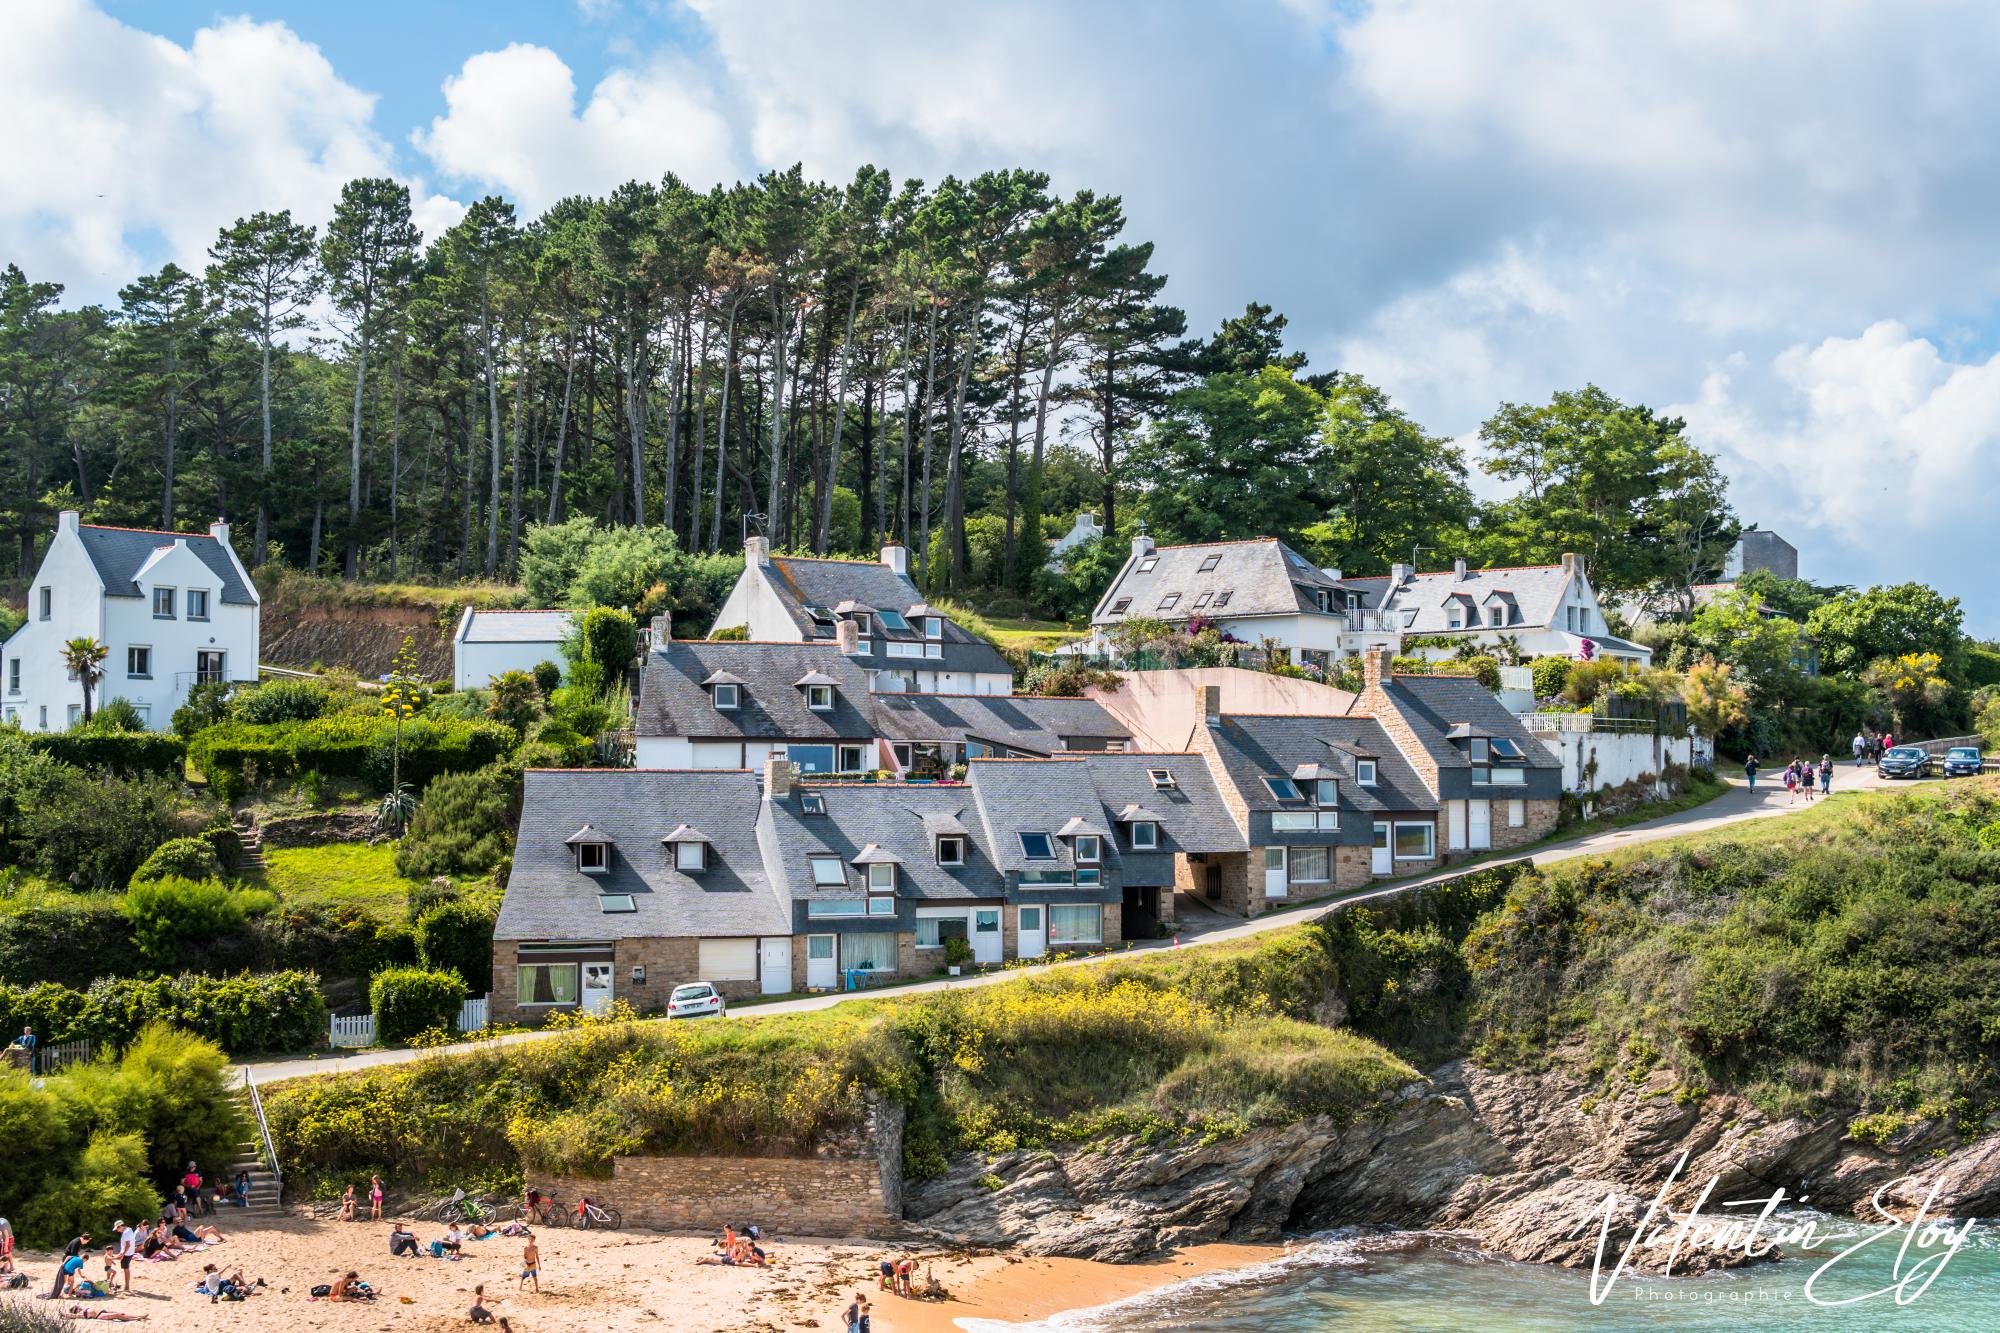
[(1775, 219)]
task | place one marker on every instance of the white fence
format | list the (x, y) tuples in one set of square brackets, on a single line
[(358, 1030), (472, 1015)]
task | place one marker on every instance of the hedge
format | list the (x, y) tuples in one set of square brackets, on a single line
[(239, 754), (128, 752), (245, 1014), (410, 1000), (458, 937)]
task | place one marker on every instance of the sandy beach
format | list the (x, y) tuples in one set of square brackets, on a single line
[(613, 1282)]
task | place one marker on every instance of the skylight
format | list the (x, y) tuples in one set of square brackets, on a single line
[(820, 614), (812, 803), (616, 902), (893, 620), (1505, 749), (1167, 602), (1282, 788), (1209, 562), (1038, 847), (1118, 607), (1149, 564), (1162, 777), (1222, 598)]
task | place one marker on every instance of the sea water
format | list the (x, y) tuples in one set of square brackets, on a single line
[(1368, 1281)]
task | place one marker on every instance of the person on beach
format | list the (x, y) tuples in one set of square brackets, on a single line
[(531, 1266), (347, 1204), (906, 1274), (375, 1198), (242, 1199), (192, 1183), (115, 1316), (1750, 771), (72, 1264), (885, 1276), (402, 1241), (6, 1246), (129, 1240), (858, 1320)]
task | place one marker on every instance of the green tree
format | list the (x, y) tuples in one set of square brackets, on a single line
[(84, 659), (516, 700), (1854, 629), (162, 314), (463, 826), (1733, 629), (1240, 455), (1247, 343), (479, 254), (1392, 487), (1914, 686)]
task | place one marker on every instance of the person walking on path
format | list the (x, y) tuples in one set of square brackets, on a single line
[(1750, 770), (1825, 774), (1860, 748), (1791, 782)]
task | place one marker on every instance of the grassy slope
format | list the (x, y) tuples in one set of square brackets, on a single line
[(346, 874)]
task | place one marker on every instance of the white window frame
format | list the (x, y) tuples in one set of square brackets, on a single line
[(603, 856), (1145, 834), (881, 877), (1292, 875), (1430, 840), (856, 753), (522, 970), (192, 595), (690, 864), (826, 878), (132, 648), (165, 595), (819, 698), (812, 803), (882, 904), (615, 903), (732, 694), (1055, 940), (1364, 772), (934, 627), (956, 843), (1095, 849), (1326, 793), (13, 675)]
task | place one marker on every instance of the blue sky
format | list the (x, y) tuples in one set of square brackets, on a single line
[(1774, 218)]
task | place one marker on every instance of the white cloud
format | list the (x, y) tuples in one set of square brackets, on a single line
[(511, 124)]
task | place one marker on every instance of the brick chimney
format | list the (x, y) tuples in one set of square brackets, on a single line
[(756, 550), (777, 777), (1142, 545), (1374, 668), (897, 557), (847, 634)]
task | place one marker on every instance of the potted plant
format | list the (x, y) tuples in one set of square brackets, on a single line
[(957, 953)]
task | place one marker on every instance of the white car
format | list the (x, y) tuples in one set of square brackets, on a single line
[(697, 999)]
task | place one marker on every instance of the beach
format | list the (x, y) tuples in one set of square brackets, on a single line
[(610, 1282)]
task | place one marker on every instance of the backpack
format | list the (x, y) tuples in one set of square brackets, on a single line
[(323, 1289), (18, 1281)]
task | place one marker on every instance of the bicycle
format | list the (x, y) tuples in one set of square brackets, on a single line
[(459, 1208), (590, 1215), (548, 1212)]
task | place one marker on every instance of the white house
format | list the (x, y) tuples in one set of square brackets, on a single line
[(1085, 528), (488, 643), (173, 608), (1543, 610), (905, 645)]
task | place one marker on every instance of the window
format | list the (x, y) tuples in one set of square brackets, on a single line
[(197, 604), (1309, 865), (1167, 602), (48, 603), (881, 878), (1163, 778), (1328, 793), (1145, 835), (1507, 777), (1364, 772), (13, 675), (892, 620), (930, 933), (850, 758), (1455, 619), (837, 907), (933, 627), (1038, 847), (616, 902), (819, 947), (593, 858), (1088, 849), (1117, 607), (208, 666), (1480, 773), (1202, 601), (1292, 821), (691, 856), (951, 850), (1505, 749), (163, 603), (1076, 925), (545, 983), (1284, 789), (819, 698), (139, 662), (1475, 749), (1149, 564), (827, 871), (882, 904), (1517, 813), (870, 952), (810, 758), (812, 803), (1499, 615), (1222, 599), (905, 754), (1208, 563), (1413, 841), (728, 696)]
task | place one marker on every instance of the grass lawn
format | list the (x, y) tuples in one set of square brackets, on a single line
[(347, 874)]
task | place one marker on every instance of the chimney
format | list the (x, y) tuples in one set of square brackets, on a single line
[(756, 550), (897, 557), (847, 634), (1374, 666), (68, 520), (1211, 705), (777, 777), (1333, 574), (1142, 545), (1572, 563), (1398, 575), (663, 631), (220, 530), (1458, 569)]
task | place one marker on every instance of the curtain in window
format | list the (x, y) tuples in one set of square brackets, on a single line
[(876, 950), (1309, 865), (1075, 925), (546, 983)]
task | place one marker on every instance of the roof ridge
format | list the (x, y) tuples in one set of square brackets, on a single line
[(520, 610), (1232, 541), (639, 770), (836, 560), (769, 643), (1336, 717), (153, 532)]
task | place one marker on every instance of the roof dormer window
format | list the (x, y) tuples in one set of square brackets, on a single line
[(881, 877), (690, 858), (1145, 835), (1089, 849), (593, 850), (819, 698), (951, 850), (1364, 772), (727, 697)]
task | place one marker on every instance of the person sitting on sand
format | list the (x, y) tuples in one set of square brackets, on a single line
[(479, 1314), (347, 1205), (6, 1246), (351, 1288), (115, 1316), (402, 1241)]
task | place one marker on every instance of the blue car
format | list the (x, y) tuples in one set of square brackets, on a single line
[(1964, 761)]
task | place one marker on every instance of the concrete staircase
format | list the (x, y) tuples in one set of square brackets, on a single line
[(252, 839), (265, 1205)]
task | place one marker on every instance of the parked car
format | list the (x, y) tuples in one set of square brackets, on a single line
[(1903, 761), (697, 999), (1963, 761)]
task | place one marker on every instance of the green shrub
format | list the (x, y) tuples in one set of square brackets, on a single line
[(114, 715), (547, 676), (458, 937), (609, 637), (244, 1014), (240, 754), (207, 704), (72, 944), (280, 701), (167, 914), (1551, 676), (186, 1086), (108, 1181), (344, 940), (464, 825), (410, 1000), (132, 753), (92, 830), (180, 858)]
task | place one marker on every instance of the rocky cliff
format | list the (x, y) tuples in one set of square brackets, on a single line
[(1524, 1161)]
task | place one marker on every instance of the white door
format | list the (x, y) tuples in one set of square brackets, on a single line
[(1454, 838), (596, 987), (1034, 941), (1274, 872), (776, 969), (1479, 824), (822, 968), (986, 941), (1379, 859)]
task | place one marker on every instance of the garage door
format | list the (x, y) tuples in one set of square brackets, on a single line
[(728, 960)]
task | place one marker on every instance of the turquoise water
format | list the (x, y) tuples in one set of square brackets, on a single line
[(1426, 1281)]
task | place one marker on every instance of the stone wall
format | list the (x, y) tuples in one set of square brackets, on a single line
[(1542, 817), (853, 1186)]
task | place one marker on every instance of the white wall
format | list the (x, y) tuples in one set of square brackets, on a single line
[(76, 610), (753, 604), (474, 665), (1620, 756)]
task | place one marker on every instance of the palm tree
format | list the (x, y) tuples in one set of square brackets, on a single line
[(85, 660)]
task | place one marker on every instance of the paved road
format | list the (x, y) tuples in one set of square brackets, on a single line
[(1202, 926)]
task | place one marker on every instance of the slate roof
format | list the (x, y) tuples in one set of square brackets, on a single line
[(119, 553), (1031, 723), (1254, 746), (515, 626), (1191, 813), (868, 586), (1435, 704), (1033, 796), (1422, 599), (548, 898), (891, 817), (672, 701), (1263, 577)]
